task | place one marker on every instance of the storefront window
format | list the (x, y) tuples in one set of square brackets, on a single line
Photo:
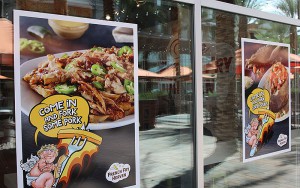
[(166, 83), (222, 87)]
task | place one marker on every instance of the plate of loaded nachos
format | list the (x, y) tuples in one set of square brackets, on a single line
[(104, 77)]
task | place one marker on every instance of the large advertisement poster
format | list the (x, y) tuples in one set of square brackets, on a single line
[(76, 102), (266, 99)]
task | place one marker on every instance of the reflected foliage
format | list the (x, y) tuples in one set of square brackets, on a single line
[(255, 4), (272, 31), (288, 7)]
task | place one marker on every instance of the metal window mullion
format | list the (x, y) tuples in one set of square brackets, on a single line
[(198, 119), (198, 95)]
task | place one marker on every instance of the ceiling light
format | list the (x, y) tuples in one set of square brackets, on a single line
[(107, 17), (140, 2)]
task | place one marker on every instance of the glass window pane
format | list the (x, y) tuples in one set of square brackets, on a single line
[(166, 85), (222, 33), (166, 90)]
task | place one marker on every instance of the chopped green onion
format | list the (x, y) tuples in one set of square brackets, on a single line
[(36, 46), (31, 45), (23, 44)]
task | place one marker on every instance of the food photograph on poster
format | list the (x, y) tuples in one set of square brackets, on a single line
[(266, 99), (76, 110)]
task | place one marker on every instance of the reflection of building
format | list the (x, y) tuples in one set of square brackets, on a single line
[(165, 83), (75, 8), (165, 79), (6, 68), (217, 58)]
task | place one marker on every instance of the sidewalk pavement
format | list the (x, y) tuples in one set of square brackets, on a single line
[(166, 152)]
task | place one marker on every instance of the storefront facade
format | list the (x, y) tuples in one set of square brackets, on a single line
[(192, 90)]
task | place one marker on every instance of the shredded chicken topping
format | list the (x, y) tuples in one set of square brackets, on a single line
[(98, 75)]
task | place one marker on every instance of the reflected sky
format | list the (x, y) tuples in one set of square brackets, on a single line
[(270, 6)]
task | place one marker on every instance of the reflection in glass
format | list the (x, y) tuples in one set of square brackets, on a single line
[(287, 8), (166, 90), (222, 33), (166, 83)]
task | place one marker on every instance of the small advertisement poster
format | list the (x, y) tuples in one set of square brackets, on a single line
[(76, 102), (266, 99)]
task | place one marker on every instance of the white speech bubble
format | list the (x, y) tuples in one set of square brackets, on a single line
[(117, 172), (282, 140)]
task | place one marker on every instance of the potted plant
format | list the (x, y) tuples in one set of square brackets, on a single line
[(148, 104)]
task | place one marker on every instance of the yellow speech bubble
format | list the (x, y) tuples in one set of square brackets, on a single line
[(59, 112), (259, 99)]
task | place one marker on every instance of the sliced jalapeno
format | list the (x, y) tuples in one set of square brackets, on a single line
[(98, 85), (117, 67), (124, 50), (65, 89), (129, 86), (98, 70), (99, 49), (64, 56), (69, 66)]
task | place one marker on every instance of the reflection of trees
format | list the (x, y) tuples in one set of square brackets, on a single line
[(228, 100), (221, 107), (272, 31), (290, 9), (243, 20), (224, 123), (254, 4)]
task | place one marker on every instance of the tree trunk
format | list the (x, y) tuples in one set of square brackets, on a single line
[(224, 123), (61, 7), (243, 33), (293, 39)]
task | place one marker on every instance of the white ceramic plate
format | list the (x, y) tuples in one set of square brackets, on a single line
[(30, 98), (262, 84)]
